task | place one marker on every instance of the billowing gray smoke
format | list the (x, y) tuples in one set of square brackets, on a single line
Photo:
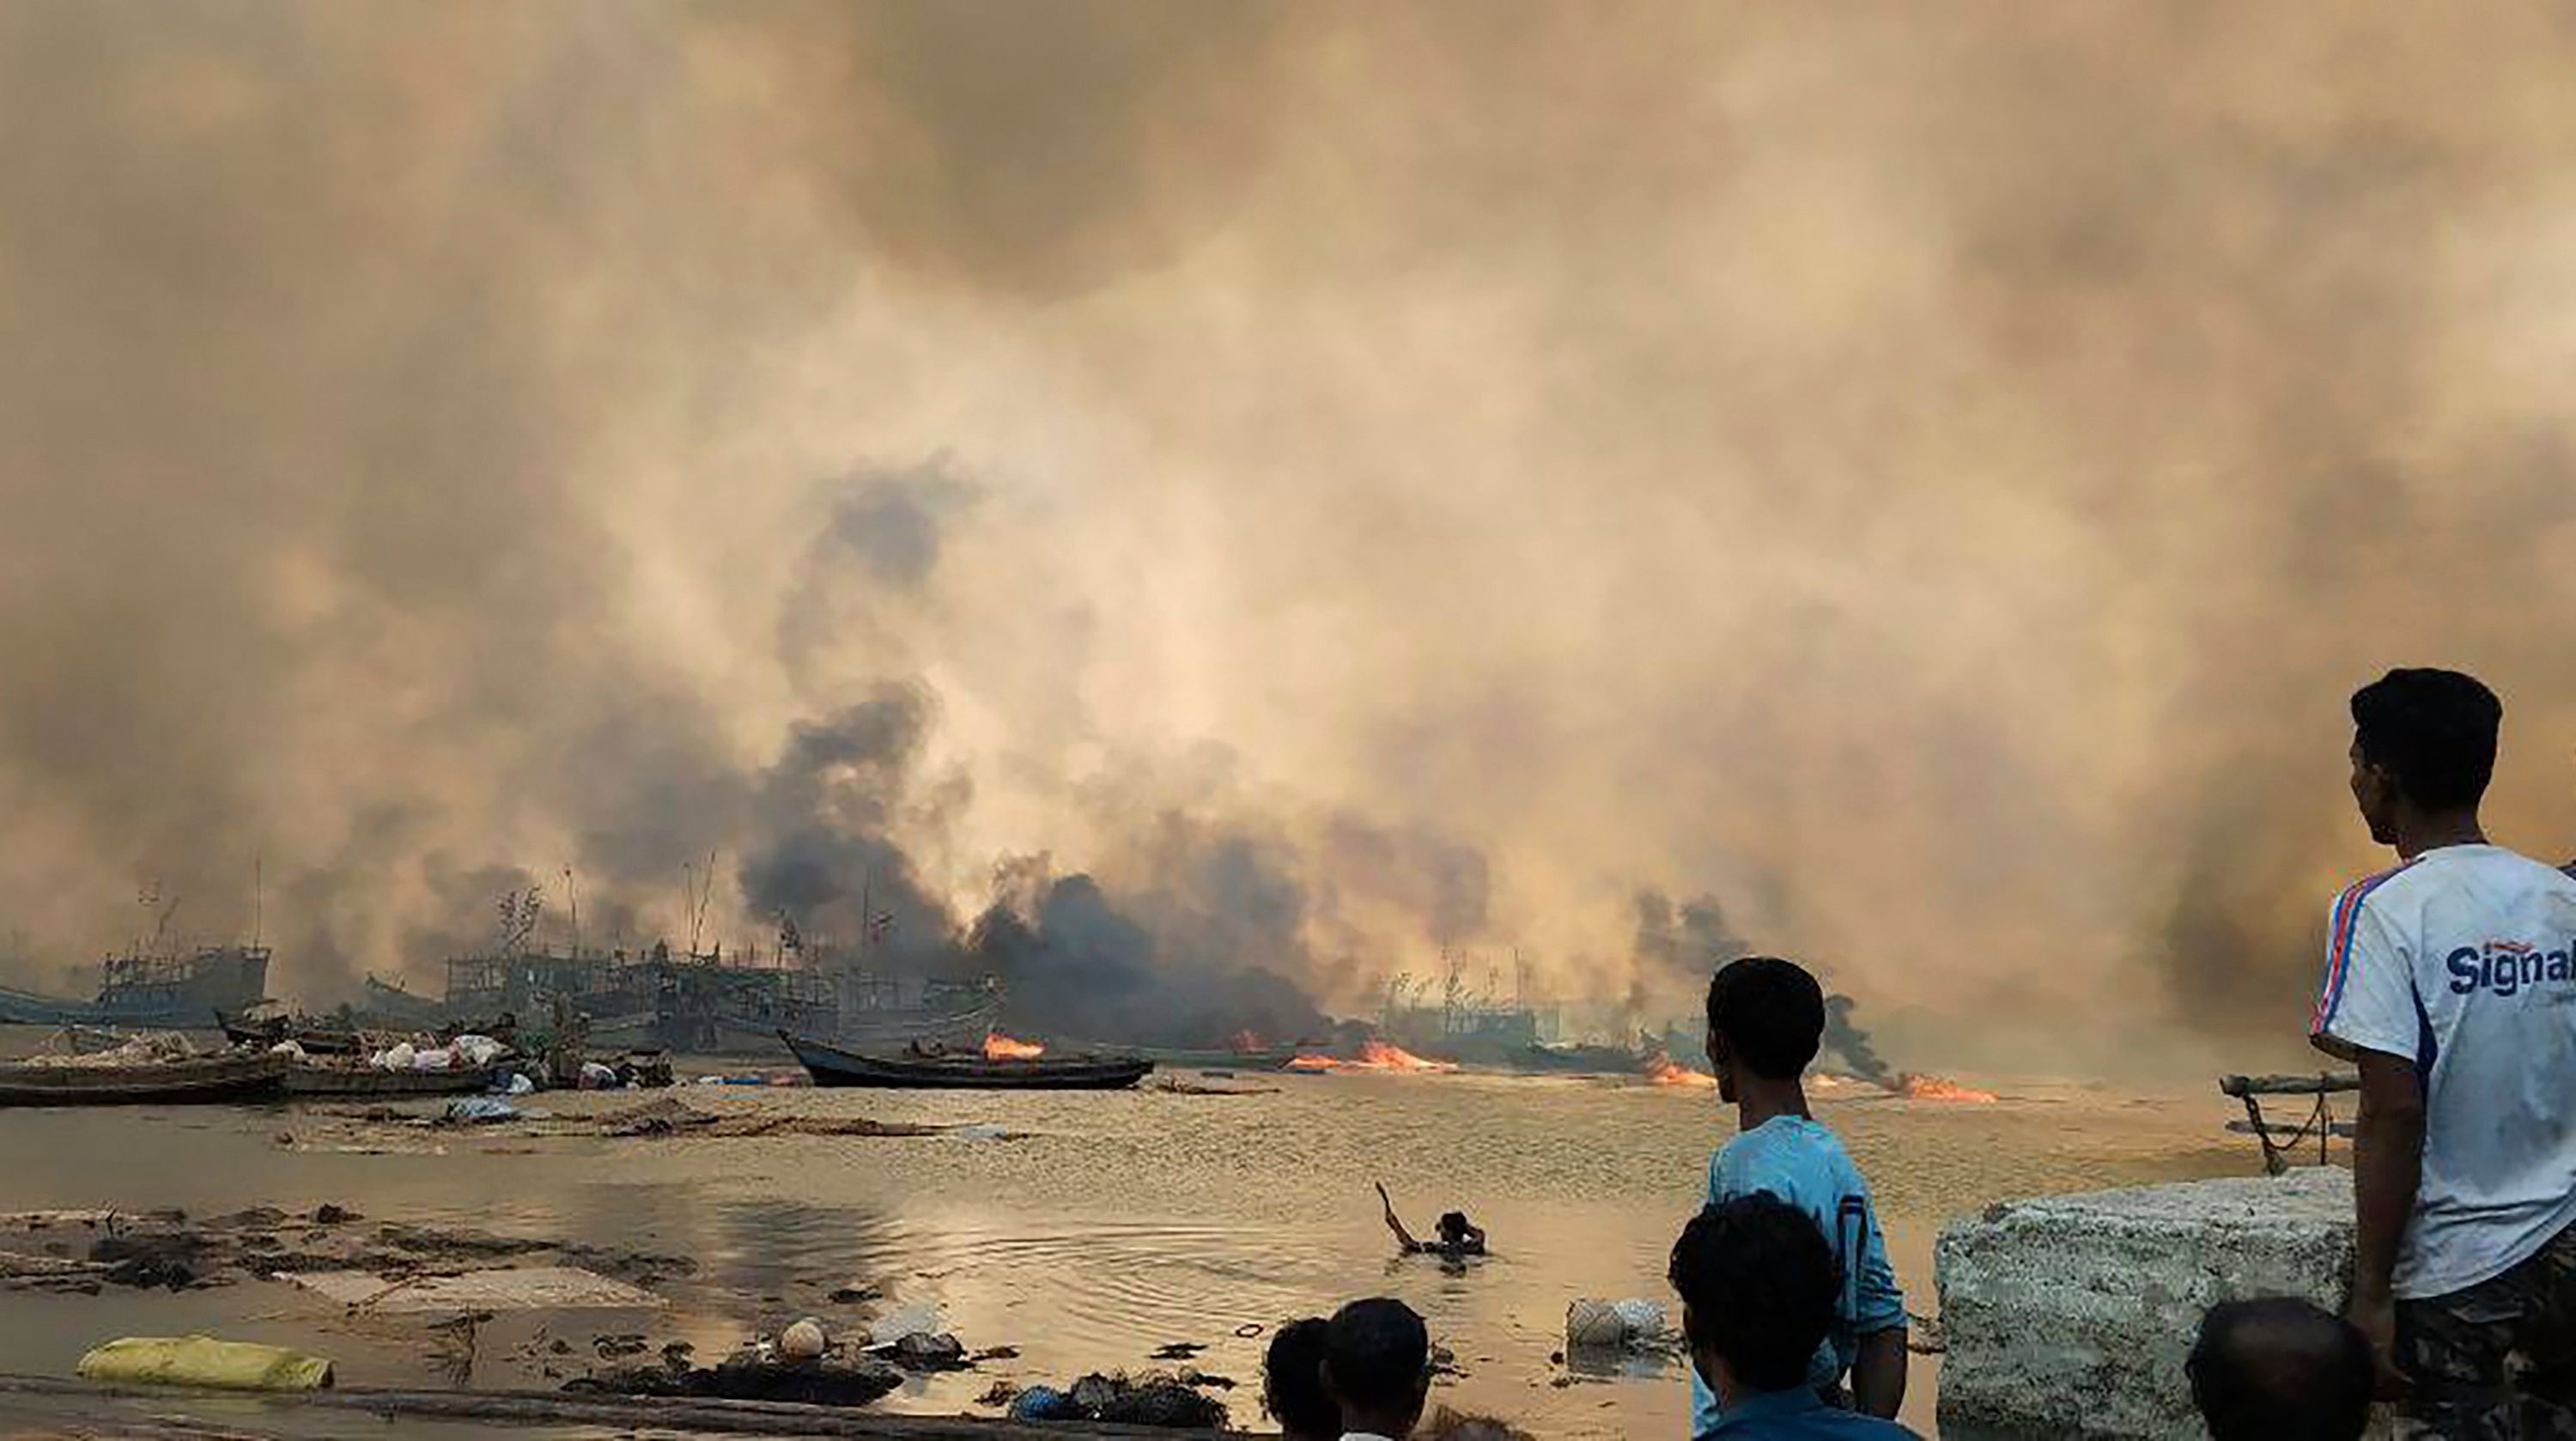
[(1677, 948), (1849, 1042), (1928, 474), (1077, 967), (821, 856)]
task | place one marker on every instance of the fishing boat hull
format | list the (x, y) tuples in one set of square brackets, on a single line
[(832, 1066), (341, 1082), (205, 1080), (245, 1031)]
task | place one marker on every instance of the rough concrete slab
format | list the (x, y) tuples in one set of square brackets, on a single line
[(516, 1288), (2071, 1316)]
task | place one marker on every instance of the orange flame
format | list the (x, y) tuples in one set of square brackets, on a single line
[(1665, 1071), (1936, 1088), (999, 1047), (1375, 1056)]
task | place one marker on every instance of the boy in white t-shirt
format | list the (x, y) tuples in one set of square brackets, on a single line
[(2451, 982)]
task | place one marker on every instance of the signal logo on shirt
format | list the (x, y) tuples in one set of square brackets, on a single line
[(2506, 967)]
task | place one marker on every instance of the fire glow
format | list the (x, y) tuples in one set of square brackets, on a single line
[(1375, 1056), (1936, 1088), (999, 1047), (1665, 1071)]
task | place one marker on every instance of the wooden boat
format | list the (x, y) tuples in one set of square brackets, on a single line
[(266, 1031), (347, 1081), (832, 1066), (198, 1079)]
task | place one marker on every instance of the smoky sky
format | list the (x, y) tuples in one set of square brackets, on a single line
[(1339, 481)]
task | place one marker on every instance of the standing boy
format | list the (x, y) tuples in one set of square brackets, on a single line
[(1766, 1017), (2451, 983)]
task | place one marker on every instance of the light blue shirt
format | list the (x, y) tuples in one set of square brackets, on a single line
[(1803, 1163)]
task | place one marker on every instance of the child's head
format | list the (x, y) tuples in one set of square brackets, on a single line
[(1292, 1383), (1377, 1366), (1453, 1227), (1757, 1283), (1766, 1017)]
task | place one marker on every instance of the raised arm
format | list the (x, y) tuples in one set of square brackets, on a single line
[(1403, 1237)]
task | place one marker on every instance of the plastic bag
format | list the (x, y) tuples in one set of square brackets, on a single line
[(432, 1060), (477, 1050), (395, 1058), (204, 1361), (288, 1049), (478, 1109)]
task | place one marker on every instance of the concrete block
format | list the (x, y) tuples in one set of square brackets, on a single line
[(2071, 1316)]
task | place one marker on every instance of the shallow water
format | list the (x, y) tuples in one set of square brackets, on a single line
[(1104, 1226)]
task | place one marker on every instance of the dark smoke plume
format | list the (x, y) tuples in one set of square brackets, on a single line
[(1850, 1042)]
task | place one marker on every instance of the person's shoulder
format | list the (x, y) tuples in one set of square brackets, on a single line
[(2383, 889), (1751, 1160), (2490, 868)]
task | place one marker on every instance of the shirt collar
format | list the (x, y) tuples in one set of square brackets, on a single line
[(1770, 1405)]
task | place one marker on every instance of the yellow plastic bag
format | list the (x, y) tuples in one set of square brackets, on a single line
[(204, 1361)]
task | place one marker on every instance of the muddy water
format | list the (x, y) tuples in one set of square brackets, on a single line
[(1099, 1228)]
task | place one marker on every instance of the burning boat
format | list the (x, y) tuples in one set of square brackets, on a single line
[(1001, 1064)]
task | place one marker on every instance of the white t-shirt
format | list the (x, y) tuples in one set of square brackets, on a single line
[(2464, 962)]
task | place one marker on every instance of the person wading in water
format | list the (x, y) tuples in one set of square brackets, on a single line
[(1455, 1239)]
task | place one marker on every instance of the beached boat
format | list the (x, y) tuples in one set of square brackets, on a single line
[(266, 1031), (347, 1081), (172, 1082), (923, 1070)]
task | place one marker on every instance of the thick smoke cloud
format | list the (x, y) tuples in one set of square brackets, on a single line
[(1405, 479)]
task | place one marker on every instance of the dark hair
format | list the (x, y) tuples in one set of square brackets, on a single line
[(1292, 1385), (1771, 1012), (1448, 1425), (2434, 730), (2280, 1369), (1758, 1284), (1453, 1223), (1377, 1350)]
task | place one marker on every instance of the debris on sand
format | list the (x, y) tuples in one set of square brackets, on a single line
[(1175, 1086), (753, 1374), (670, 1116), (1153, 1399), (813, 1371), (166, 1250), (514, 1288), (925, 1351)]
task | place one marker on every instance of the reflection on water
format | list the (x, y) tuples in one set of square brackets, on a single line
[(1106, 1226)]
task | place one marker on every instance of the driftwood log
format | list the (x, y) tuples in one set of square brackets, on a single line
[(547, 1408)]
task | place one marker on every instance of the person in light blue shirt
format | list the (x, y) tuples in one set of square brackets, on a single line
[(1766, 1019), (1759, 1292)]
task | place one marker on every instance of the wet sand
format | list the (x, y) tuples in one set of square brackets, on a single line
[(1097, 1228)]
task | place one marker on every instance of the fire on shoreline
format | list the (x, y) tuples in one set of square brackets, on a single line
[(999, 1047), (1665, 1071), (1938, 1088), (1375, 1056)]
